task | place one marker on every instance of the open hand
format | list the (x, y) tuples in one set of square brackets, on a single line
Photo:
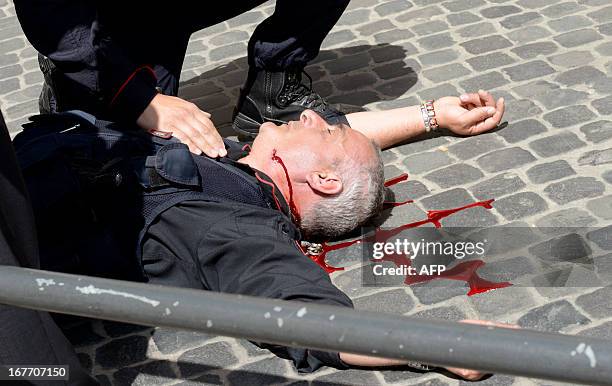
[(469, 114), (169, 116)]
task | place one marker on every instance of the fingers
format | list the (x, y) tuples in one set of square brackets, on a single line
[(490, 323), (480, 99), (210, 133), (470, 375)]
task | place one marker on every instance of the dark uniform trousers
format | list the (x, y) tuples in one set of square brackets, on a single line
[(27, 337), (110, 56)]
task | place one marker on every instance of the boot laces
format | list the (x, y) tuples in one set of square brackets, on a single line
[(296, 90)]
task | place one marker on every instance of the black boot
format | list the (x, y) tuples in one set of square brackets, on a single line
[(277, 97)]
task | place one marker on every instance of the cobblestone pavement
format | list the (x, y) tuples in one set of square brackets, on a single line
[(551, 165)]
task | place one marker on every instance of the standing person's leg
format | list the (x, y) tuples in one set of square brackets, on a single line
[(27, 337), (279, 49)]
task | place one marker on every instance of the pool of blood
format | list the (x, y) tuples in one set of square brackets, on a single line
[(464, 271)]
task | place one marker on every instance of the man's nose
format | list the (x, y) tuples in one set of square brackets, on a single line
[(311, 120)]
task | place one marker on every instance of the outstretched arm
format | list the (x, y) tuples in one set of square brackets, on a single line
[(368, 361), (469, 114)]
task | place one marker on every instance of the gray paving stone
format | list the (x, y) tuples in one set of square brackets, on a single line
[(490, 61), (394, 301), (151, 373), (556, 144), (420, 15), (264, 372), (228, 51), (596, 157), (603, 105), (11, 45), (442, 313), (500, 302), (597, 303), (602, 16), (206, 358), (402, 374), (203, 380), (10, 71), (374, 27), (424, 162), (530, 70), (435, 42), (604, 49), (445, 73), (409, 190), (499, 11), (508, 270), (580, 75), (486, 81), (346, 377), (528, 34), (495, 380), (498, 186), (462, 5), (476, 30), (568, 248), (561, 97), (229, 37), (520, 205), (602, 236), (422, 145), (122, 352), (9, 85), (456, 174), (387, 53), (516, 21), (438, 290), (438, 57), (338, 37), (569, 116), (436, 92), (562, 9), (532, 50), (461, 18), (358, 16), (245, 18), (169, 340), (605, 29), (607, 176), (518, 131), (553, 317), (535, 3), (565, 220), (505, 159), (430, 27), (357, 81), (551, 171), (474, 146), (569, 23), (82, 334), (7, 59), (577, 38), (393, 35), (348, 63), (601, 207), (487, 44), (603, 331), (574, 189), (392, 7), (448, 199)]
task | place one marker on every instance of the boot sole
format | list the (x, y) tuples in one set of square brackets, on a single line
[(246, 126)]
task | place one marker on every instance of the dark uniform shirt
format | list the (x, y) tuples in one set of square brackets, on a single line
[(242, 249)]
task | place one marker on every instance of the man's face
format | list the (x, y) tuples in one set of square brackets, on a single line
[(310, 143)]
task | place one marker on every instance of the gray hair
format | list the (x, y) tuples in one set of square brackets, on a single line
[(360, 199)]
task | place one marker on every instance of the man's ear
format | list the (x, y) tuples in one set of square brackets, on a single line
[(324, 182)]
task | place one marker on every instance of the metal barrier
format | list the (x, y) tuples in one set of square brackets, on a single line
[(499, 350)]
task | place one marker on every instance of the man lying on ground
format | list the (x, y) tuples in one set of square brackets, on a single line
[(230, 224)]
